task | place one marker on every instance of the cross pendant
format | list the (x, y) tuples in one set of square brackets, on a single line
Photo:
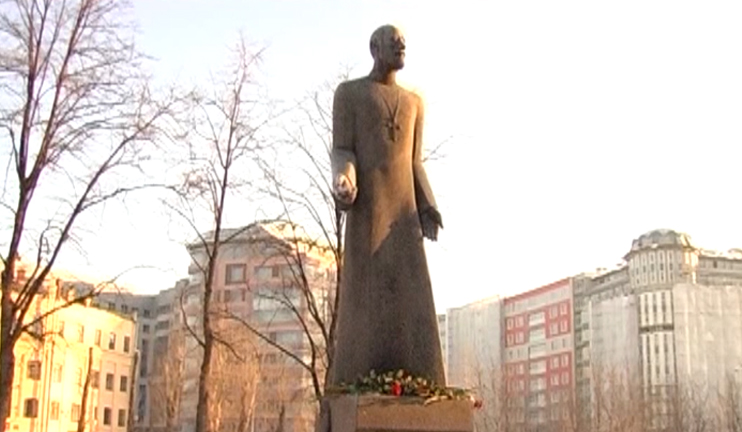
[(393, 128)]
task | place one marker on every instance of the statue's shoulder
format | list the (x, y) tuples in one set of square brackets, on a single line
[(351, 88), (413, 97)]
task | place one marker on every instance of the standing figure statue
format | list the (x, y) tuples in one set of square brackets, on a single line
[(386, 316)]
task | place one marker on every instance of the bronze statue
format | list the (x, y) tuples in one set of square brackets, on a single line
[(386, 316)]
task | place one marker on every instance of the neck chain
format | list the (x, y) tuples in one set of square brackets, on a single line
[(391, 123)]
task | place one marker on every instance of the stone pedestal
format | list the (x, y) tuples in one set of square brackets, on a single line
[(376, 413)]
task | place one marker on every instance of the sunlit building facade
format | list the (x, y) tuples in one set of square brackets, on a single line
[(81, 371), (260, 278)]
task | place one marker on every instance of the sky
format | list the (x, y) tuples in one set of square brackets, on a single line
[(575, 126)]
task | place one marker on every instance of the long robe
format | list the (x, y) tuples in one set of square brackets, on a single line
[(386, 316)]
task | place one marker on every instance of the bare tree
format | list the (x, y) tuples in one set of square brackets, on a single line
[(730, 405), (235, 379), (617, 400), (77, 119), (223, 138), (310, 246), (688, 408), (499, 409), (167, 383), (84, 402)]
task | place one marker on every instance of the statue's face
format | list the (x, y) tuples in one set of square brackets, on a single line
[(389, 50)]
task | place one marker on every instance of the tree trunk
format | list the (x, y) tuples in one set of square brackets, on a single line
[(7, 343), (202, 409), (203, 414), (7, 374), (132, 382), (85, 393)]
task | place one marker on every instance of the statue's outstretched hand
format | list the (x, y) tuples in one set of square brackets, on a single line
[(431, 221), (343, 190)]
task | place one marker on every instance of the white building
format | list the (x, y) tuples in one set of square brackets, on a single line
[(474, 335)]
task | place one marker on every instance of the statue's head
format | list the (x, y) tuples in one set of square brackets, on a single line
[(388, 47)]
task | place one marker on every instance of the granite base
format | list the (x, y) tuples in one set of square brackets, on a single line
[(377, 413)]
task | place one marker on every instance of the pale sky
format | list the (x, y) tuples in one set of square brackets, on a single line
[(577, 126)]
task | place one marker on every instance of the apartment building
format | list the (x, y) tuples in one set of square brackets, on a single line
[(82, 344), (665, 315), (265, 276), (261, 280), (538, 353), (474, 343)]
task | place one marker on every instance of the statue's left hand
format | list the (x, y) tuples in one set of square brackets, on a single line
[(431, 221)]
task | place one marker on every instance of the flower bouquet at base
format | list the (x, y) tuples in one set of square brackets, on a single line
[(401, 383)]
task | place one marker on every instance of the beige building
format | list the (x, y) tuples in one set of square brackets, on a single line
[(678, 308), (260, 281), (82, 344)]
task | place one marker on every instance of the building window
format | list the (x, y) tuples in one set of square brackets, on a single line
[(510, 339), (563, 309), (33, 370), (112, 341), (109, 381), (107, 416), (94, 379), (31, 408), (97, 337), (122, 418), (124, 384), (565, 378), (553, 329), (54, 410), (565, 360), (125, 308), (78, 377), (555, 380), (127, 344), (147, 313), (563, 326), (554, 362), (145, 328), (75, 413), (81, 333), (536, 318), (57, 373), (236, 273), (510, 323)]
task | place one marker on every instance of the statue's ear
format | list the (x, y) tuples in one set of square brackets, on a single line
[(373, 47)]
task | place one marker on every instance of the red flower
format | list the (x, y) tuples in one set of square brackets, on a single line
[(396, 388), (478, 403)]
